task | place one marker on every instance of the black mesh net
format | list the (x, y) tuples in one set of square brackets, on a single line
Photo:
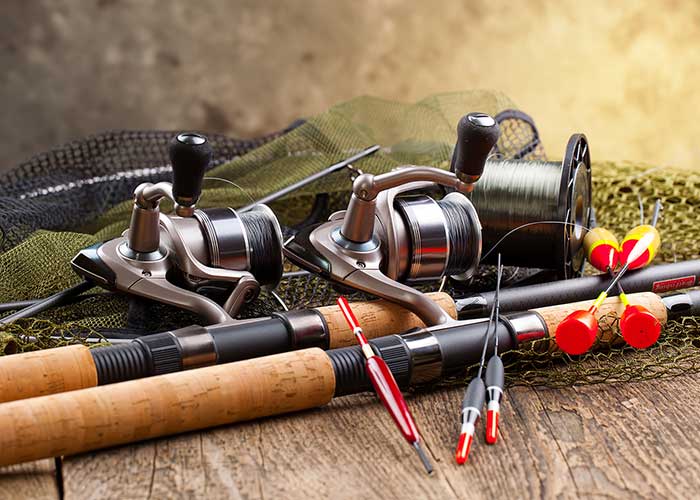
[(64, 187)]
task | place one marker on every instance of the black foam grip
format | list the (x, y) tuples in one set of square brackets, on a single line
[(477, 134), (349, 369), (190, 154)]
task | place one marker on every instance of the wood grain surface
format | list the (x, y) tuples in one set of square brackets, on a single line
[(632, 440)]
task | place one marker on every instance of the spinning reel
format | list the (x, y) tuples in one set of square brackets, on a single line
[(388, 237), (180, 259)]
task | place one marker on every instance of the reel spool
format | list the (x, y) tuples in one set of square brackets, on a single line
[(438, 238), (514, 193), (249, 241)]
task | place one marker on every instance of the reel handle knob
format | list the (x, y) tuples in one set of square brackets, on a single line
[(477, 134), (190, 155)]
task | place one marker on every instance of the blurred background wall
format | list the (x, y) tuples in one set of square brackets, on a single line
[(623, 72)]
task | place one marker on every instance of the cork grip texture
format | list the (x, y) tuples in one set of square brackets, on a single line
[(99, 417), (46, 372), (609, 311), (378, 319)]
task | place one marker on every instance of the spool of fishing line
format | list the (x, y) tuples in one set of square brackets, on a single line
[(249, 241), (513, 199)]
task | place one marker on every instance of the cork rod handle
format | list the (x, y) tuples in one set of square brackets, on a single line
[(45, 372), (100, 417), (69, 368), (378, 318)]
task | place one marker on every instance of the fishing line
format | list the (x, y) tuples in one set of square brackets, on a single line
[(485, 255), (264, 244), (233, 184)]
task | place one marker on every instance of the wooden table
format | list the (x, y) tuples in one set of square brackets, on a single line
[(618, 441)]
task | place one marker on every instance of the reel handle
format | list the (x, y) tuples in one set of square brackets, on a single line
[(477, 134), (190, 154)]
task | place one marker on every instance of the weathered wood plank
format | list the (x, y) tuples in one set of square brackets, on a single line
[(307, 455), (615, 440), (31, 480)]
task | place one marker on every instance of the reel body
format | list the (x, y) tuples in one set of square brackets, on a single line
[(386, 239), (208, 261)]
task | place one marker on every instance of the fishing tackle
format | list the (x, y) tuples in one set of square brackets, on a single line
[(638, 325), (495, 376), (299, 329), (577, 332), (535, 213), (602, 249), (385, 238), (658, 279), (197, 346), (385, 386), (473, 401), (132, 411), (208, 261), (640, 244)]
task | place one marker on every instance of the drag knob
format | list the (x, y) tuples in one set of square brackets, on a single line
[(477, 134), (190, 154)]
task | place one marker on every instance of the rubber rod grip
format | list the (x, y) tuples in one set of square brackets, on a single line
[(101, 417), (611, 309), (378, 318), (39, 373)]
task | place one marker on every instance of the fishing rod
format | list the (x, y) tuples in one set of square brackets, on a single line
[(78, 367), (173, 403), (659, 279), (312, 178)]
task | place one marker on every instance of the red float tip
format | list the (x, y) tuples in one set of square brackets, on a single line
[(463, 446), (639, 327), (577, 332), (492, 418)]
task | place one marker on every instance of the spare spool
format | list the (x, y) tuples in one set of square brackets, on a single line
[(513, 193)]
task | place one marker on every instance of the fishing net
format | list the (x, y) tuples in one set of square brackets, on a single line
[(85, 198)]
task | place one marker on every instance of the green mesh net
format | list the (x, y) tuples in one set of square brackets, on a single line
[(419, 133)]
